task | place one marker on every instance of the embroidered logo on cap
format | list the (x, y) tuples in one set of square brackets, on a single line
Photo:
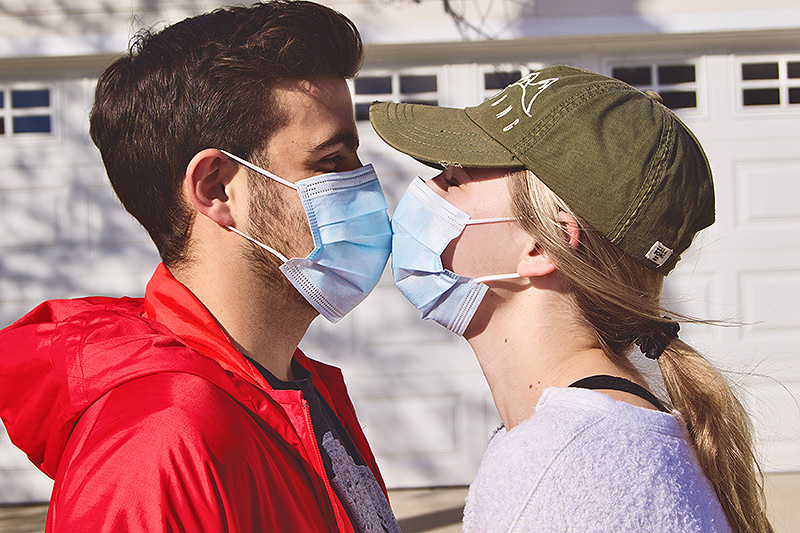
[(658, 253), (530, 87)]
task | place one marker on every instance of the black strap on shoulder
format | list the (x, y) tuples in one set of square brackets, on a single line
[(601, 381)]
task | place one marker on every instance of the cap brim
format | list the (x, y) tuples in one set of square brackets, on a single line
[(438, 136)]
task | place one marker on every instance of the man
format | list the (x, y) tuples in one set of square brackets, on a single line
[(230, 137)]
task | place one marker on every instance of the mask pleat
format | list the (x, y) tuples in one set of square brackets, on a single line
[(414, 256), (362, 230), (350, 203)]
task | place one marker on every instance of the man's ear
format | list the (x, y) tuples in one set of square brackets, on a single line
[(536, 262), (207, 176)]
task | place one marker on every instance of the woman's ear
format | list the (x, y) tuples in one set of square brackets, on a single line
[(571, 229), (207, 175), (535, 261)]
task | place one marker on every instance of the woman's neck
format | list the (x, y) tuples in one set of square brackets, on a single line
[(533, 340)]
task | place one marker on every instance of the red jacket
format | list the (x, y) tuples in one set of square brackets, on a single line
[(149, 420)]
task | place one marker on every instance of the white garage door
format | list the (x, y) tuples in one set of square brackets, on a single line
[(417, 388)]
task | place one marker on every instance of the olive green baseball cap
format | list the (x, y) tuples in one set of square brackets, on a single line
[(617, 156)]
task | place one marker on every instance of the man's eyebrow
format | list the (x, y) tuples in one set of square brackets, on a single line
[(348, 138)]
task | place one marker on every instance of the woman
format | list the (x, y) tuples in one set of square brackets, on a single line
[(563, 202)]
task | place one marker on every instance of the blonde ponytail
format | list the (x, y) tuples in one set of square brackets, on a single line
[(720, 429), (620, 299)]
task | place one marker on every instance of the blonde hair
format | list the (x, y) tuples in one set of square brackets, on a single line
[(620, 299)]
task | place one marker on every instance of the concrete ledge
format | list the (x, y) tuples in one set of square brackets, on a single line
[(439, 510)]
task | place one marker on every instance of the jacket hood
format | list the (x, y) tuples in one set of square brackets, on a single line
[(65, 354)]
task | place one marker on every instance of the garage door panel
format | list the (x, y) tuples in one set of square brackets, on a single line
[(29, 216), (759, 185), (767, 210), (108, 224), (773, 405), (20, 481), (692, 295), (386, 347), (739, 285), (770, 304), (426, 430), (388, 319), (756, 184)]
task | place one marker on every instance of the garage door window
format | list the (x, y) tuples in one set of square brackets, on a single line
[(676, 83), (769, 82), (26, 111), (416, 87)]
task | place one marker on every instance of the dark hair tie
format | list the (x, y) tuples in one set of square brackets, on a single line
[(654, 341)]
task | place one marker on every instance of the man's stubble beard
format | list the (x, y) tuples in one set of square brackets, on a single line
[(272, 223)]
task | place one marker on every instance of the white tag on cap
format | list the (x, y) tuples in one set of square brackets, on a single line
[(658, 253)]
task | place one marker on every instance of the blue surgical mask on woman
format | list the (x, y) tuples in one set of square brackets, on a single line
[(352, 234), (424, 223)]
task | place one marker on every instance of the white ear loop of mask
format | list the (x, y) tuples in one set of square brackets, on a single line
[(273, 251), (495, 277), (268, 174), (260, 170)]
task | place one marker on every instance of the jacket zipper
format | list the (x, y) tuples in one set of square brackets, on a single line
[(318, 455)]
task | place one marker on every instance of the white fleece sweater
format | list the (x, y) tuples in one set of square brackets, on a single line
[(584, 462)]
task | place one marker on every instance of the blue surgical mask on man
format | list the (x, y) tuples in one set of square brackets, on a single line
[(424, 223), (352, 234)]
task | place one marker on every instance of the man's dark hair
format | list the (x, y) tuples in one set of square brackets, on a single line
[(205, 82)]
